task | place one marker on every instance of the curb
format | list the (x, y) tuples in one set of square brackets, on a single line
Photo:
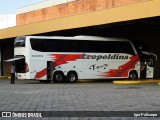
[(1, 77), (137, 82)]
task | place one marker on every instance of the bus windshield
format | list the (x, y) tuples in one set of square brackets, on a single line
[(140, 46), (19, 42)]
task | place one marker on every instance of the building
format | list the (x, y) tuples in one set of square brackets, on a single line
[(134, 19)]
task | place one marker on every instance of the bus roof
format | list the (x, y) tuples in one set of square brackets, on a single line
[(79, 37)]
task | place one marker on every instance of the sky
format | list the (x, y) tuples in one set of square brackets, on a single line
[(8, 10), (10, 6)]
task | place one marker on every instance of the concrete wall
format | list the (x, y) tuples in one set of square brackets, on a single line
[(68, 9), (41, 5)]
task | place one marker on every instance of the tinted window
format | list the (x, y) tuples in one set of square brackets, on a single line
[(110, 47), (37, 44), (52, 45)]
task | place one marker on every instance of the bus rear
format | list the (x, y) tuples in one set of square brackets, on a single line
[(21, 51)]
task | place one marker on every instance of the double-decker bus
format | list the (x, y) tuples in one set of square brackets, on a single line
[(71, 58)]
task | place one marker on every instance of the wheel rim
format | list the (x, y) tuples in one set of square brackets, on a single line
[(132, 76), (59, 77), (72, 77)]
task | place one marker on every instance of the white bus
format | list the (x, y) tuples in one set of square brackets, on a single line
[(71, 58)]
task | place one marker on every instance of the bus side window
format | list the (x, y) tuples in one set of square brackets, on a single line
[(82, 46), (77, 46), (37, 44), (64, 46), (73, 47), (51, 46)]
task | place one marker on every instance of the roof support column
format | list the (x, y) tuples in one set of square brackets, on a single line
[(1, 58)]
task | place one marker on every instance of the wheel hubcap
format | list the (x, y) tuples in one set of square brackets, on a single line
[(58, 77), (72, 77), (133, 76)]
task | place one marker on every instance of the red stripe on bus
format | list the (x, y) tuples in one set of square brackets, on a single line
[(122, 70), (60, 60), (65, 58), (41, 73)]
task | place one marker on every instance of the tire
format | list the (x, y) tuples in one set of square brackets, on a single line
[(72, 77), (133, 75), (58, 77)]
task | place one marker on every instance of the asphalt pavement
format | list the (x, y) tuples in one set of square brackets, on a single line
[(91, 96)]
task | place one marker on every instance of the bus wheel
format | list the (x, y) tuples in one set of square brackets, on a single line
[(58, 77), (72, 77), (133, 75)]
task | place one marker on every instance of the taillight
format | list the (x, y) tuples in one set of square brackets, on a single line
[(26, 68)]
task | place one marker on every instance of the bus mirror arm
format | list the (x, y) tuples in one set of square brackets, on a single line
[(149, 53)]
